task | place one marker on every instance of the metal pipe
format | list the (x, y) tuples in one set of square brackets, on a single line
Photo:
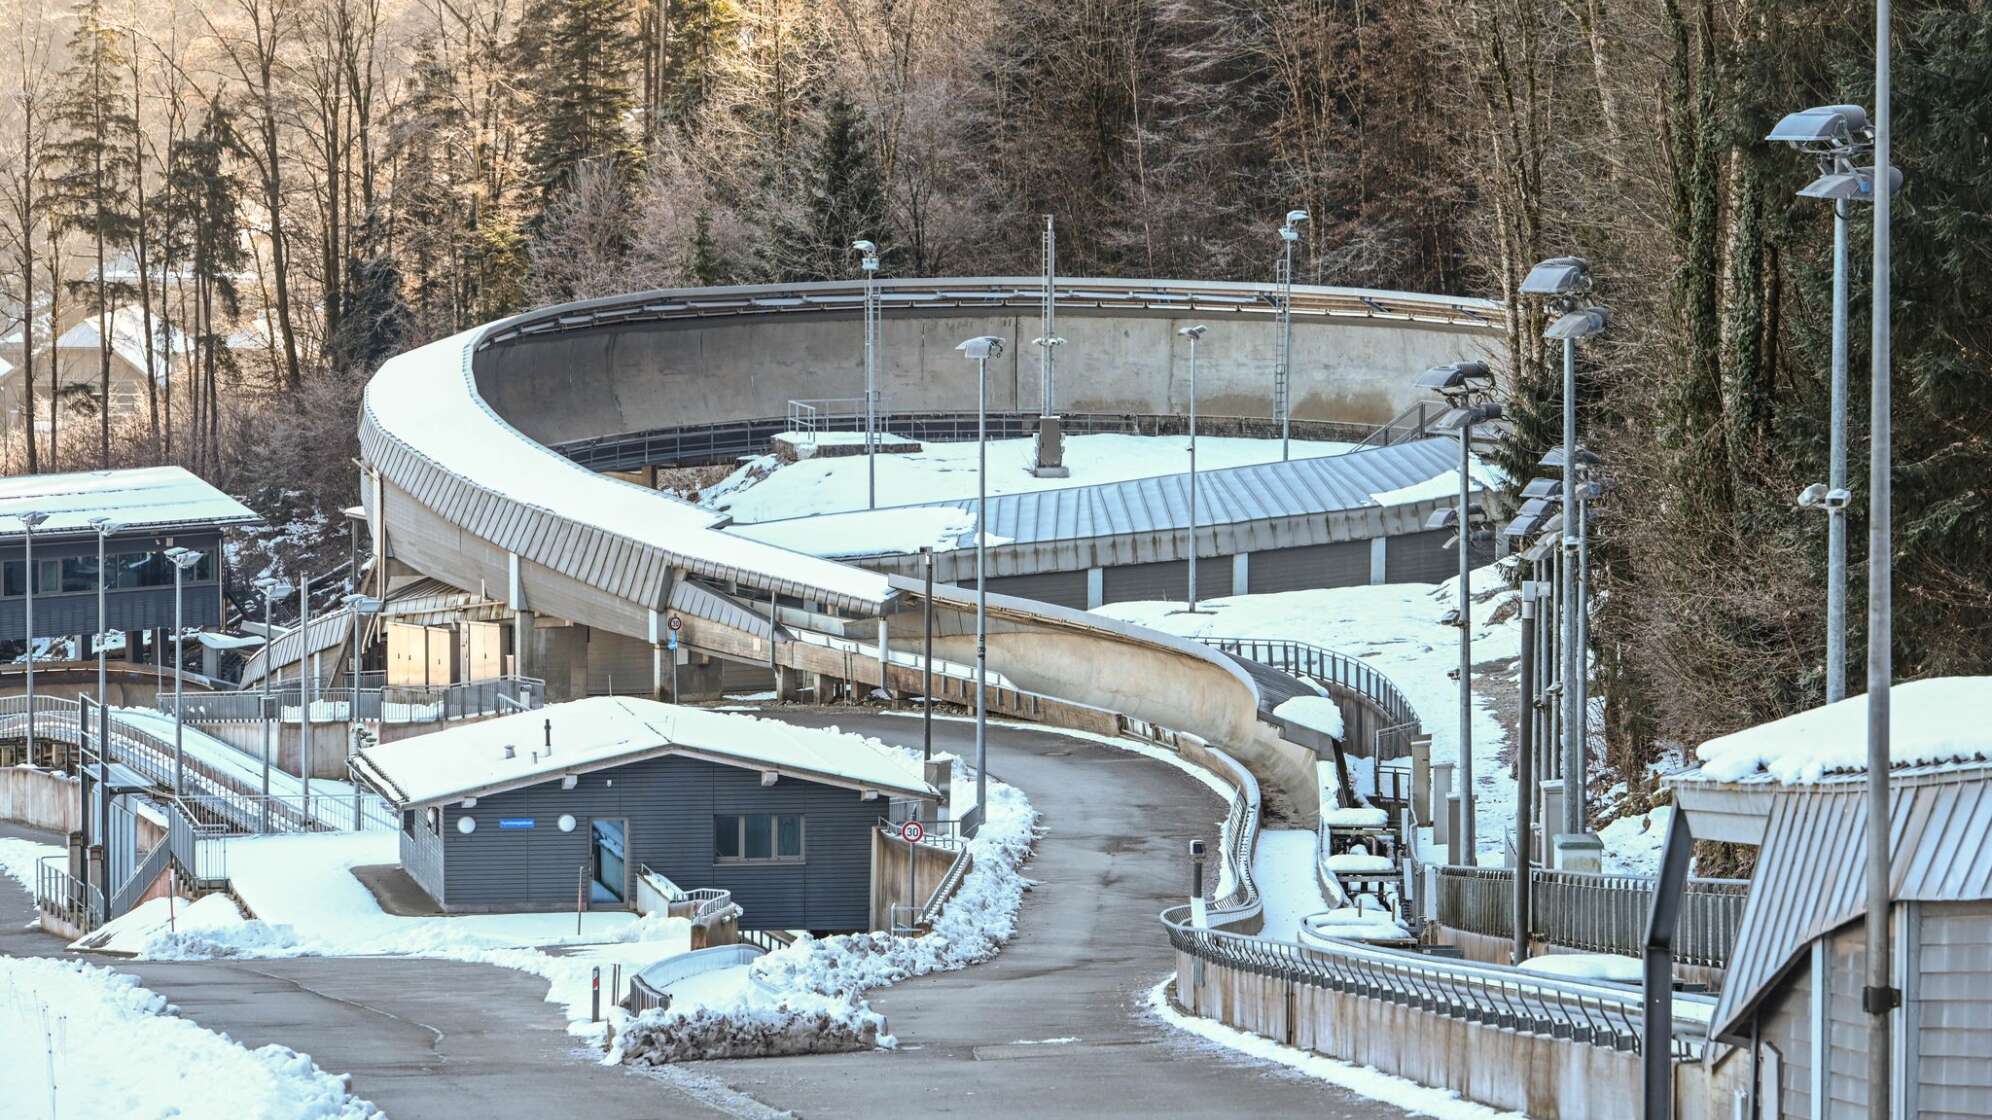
[(1573, 726), (1049, 317), (1581, 683), (981, 592), (304, 691), (927, 659), (871, 382), (269, 668), (1283, 382), (28, 532), (1192, 551), (1880, 997), (1466, 831), (1836, 473), (353, 733), (1524, 777), (178, 722)]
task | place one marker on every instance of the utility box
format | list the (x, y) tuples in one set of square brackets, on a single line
[(423, 656), (1048, 458)]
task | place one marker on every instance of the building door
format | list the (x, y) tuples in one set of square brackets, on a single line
[(610, 862)]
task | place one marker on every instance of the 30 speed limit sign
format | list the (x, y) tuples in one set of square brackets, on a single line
[(911, 832)]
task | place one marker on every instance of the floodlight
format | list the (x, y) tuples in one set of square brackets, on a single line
[(1448, 516), (1826, 125), (982, 348), (106, 527), (1553, 458), (1456, 418), (183, 558), (1558, 276), (1054, 340), (32, 519), (865, 247), (1856, 185), (1538, 507), (1192, 332), (1579, 324), (1458, 377), (273, 588), (1543, 488), (1295, 217), (1450, 618), (362, 604)]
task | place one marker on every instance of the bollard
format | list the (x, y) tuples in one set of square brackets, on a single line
[(595, 996), (1196, 868), (615, 986)]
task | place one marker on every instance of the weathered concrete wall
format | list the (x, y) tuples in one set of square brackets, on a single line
[(889, 885), (38, 799), (650, 375), (1544, 1078), (328, 744)]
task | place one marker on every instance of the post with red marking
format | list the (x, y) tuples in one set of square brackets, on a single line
[(595, 996)]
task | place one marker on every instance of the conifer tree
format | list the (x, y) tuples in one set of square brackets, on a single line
[(579, 58)]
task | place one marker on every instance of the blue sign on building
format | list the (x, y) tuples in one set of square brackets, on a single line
[(515, 822)]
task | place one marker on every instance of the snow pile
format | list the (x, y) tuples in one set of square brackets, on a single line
[(871, 532), (1486, 477), (1944, 719), (1317, 712), (18, 858), (1357, 923), (1360, 816), (1359, 863), (159, 928), (85, 1041), (809, 997), (1587, 966), (1283, 868)]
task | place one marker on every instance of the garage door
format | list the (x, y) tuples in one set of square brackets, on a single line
[(1065, 589), (1424, 558), (1168, 580), (1343, 564)]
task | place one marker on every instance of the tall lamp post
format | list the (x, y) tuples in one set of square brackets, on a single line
[(364, 607), (980, 350), (106, 528), (30, 521), (869, 263), (1837, 136), (1880, 996), (1562, 283), (272, 589), (182, 558), (1193, 334), (1283, 376), (1461, 383)]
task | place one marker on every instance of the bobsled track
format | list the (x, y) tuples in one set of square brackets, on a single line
[(461, 485)]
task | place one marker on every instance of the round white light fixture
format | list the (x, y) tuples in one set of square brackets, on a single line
[(566, 822), (466, 825)]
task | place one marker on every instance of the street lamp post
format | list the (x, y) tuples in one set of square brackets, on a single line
[(1880, 996), (303, 693), (272, 589), (980, 350), (365, 607), (870, 266), (105, 528), (1562, 282), (182, 558), (29, 522), (1460, 383), (1283, 375), (927, 658), (1193, 334)]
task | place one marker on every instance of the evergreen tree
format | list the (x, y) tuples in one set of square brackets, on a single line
[(201, 216), (579, 57), (98, 167), (376, 320), (692, 64), (844, 200)]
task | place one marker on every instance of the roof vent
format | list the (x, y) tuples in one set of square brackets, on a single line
[(509, 752)]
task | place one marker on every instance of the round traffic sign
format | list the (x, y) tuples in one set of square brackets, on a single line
[(676, 623), (911, 832)]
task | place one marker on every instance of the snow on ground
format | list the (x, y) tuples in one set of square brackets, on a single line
[(1283, 867), (245, 769), (1396, 629), (765, 490), (1943, 719), (154, 928), (1587, 966), (1633, 844), (1317, 712), (809, 996), (1364, 1081), (86, 1041), (18, 858)]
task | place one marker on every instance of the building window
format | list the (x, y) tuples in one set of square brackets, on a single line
[(757, 838), (76, 575)]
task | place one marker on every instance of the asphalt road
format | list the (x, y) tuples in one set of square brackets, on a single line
[(441, 1039)]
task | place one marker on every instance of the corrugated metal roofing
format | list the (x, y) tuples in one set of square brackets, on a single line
[(1811, 875), (145, 497), (328, 630)]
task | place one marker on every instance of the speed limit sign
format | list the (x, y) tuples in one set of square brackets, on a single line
[(676, 623), (911, 832)]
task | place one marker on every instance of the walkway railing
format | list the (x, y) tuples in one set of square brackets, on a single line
[(1595, 1014), (1593, 913), (1304, 659), (75, 902), (1413, 423), (333, 703)]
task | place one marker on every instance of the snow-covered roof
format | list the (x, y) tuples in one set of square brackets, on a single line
[(144, 497), (1931, 722), (128, 338), (604, 731)]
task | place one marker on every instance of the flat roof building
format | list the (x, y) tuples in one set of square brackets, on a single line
[(526, 811)]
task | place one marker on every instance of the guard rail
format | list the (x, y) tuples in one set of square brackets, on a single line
[(1304, 659), (1593, 913)]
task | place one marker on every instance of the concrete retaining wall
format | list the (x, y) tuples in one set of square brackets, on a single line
[(37, 798), (889, 886), (1545, 1078)]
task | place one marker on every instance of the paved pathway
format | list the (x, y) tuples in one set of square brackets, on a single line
[(443, 1039)]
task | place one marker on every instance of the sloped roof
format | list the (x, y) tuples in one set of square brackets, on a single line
[(144, 497), (128, 338), (605, 731)]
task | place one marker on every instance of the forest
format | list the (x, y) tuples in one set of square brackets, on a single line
[(285, 192)]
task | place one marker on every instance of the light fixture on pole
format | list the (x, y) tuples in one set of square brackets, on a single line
[(1837, 136), (869, 263), (364, 607), (1461, 383), (1880, 997), (182, 559), (30, 521), (106, 528), (304, 690), (1193, 334), (1283, 373), (272, 589), (1562, 283), (980, 350)]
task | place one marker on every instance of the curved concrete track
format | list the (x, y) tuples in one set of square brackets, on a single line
[(431, 1038)]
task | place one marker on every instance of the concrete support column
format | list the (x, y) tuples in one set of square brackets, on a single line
[(1241, 573), (885, 659), (1421, 781), (1378, 566), (1552, 817), (1096, 588), (1442, 787)]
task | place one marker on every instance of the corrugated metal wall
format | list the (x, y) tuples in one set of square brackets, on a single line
[(618, 665), (1065, 589), (1419, 558), (1786, 1024), (1846, 1023), (669, 804), (422, 854), (1343, 564), (1953, 1039), (1165, 580)]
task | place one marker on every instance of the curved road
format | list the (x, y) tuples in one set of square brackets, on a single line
[(428, 1038)]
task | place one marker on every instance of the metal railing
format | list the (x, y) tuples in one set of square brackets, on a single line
[(250, 814), (1593, 913), (1304, 659), (825, 414), (945, 889), (1593, 1014), (146, 754), (1413, 423), (400, 704), (57, 892), (143, 875)]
